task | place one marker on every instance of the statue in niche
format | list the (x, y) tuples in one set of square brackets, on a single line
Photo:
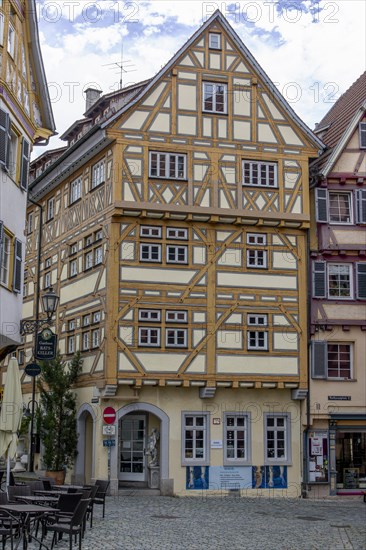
[(152, 447)]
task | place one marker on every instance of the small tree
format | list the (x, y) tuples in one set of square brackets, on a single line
[(56, 415)]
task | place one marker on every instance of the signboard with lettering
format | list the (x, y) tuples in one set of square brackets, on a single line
[(32, 369), (46, 344), (230, 477), (109, 442)]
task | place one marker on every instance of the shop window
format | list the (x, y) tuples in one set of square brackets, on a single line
[(195, 438)]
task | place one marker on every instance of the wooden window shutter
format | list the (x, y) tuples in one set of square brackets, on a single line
[(319, 280), (17, 278), (4, 138), (361, 280), (24, 167), (319, 352), (321, 203), (361, 206)]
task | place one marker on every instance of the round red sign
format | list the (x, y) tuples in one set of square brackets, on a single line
[(109, 415)]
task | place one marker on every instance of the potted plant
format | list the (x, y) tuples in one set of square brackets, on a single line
[(56, 414)]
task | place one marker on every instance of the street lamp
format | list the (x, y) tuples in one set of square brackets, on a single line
[(31, 326)]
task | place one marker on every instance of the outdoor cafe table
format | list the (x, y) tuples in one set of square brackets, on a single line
[(66, 487), (25, 512), (51, 492), (38, 499)]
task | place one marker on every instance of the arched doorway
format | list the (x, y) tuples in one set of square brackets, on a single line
[(84, 464), (129, 462)]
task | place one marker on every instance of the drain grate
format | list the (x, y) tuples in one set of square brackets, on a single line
[(310, 518), (165, 517)]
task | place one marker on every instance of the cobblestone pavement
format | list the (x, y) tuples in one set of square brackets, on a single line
[(232, 523)]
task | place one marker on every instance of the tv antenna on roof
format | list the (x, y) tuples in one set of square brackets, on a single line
[(123, 66)]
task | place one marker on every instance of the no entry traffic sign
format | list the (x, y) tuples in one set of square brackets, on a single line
[(109, 415)]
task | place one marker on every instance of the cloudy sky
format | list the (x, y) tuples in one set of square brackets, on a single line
[(312, 49)]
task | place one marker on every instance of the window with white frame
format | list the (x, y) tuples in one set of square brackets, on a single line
[(98, 255), (214, 41), (98, 235), (236, 438), (5, 251), (1, 28), (13, 154), (73, 268), (256, 257), (96, 317), (214, 97), (149, 336), (85, 341), (11, 40), (71, 325), (257, 337), (150, 315), (86, 320), (339, 281), (150, 231), (195, 438), (176, 254), (88, 260), (73, 249), (179, 316), (260, 174), (98, 174), (150, 252), (177, 233), (362, 131), (50, 209), (47, 279), (21, 356), (88, 241), (167, 165), (340, 207), (75, 190), (277, 438), (176, 337), (71, 344), (48, 262), (30, 223), (95, 336), (332, 360)]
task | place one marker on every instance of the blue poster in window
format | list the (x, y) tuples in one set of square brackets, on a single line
[(269, 477), (197, 477)]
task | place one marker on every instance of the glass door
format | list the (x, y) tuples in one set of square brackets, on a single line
[(132, 437)]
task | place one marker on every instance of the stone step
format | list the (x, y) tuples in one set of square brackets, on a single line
[(137, 492)]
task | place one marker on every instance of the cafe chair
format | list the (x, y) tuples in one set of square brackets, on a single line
[(74, 527), (66, 506), (18, 491), (101, 493), (4, 498), (93, 494), (9, 528)]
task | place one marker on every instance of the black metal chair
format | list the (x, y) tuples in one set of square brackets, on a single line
[(18, 491), (74, 527), (66, 505), (93, 494), (36, 486), (101, 493), (9, 528)]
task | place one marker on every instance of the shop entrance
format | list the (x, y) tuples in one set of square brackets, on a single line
[(132, 443), (351, 460)]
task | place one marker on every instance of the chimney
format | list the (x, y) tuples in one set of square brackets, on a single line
[(91, 96)]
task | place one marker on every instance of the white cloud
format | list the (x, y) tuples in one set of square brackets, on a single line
[(81, 45)]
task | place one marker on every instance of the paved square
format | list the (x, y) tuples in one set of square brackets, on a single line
[(230, 523)]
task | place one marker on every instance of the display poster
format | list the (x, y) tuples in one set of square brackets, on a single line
[(351, 478), (230, 477), (318, 457)]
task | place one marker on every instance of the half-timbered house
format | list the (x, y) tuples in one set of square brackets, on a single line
[(176, 235), (336, 442)]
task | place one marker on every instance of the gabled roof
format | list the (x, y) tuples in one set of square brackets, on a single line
[(217, 16), (338, 118)]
